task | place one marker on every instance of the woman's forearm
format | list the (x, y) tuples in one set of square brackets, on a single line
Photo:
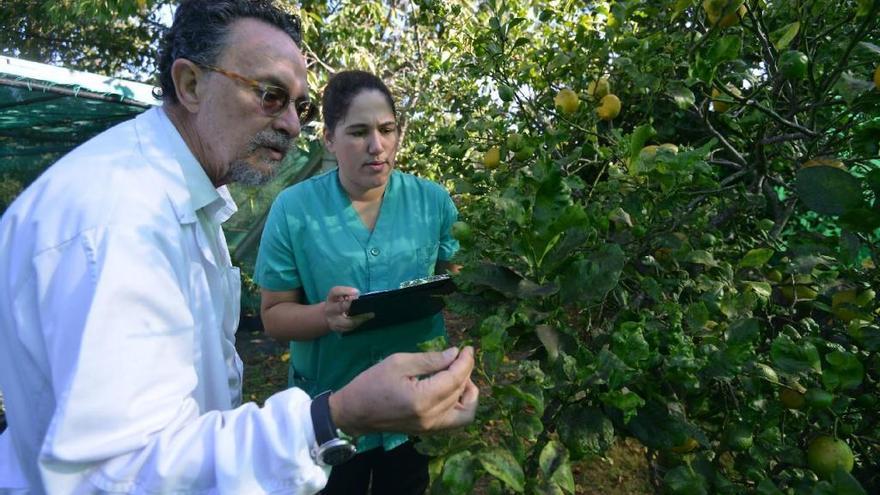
[(294, 321)]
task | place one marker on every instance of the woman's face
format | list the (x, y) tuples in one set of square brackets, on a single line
[(365, 143)]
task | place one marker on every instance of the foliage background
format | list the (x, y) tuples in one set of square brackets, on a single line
[(671, 297)]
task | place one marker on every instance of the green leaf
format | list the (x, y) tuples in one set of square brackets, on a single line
[(861, 219), (851, 87), (628, 342), (459, 473), (828, 190), (505, 280), (549, 337), (553, 462), (760, 289), (766, 487), (701, 257), (639, 137), (845, 371), (783, 36), (870, 47), (501, 464), (726, 48), (681, 95), (845, 484), (864, 7), (684, 480), (628, 402), (756, 258), (585, 431), (591, 279), (791, 357), (743, 332), (438, 343)]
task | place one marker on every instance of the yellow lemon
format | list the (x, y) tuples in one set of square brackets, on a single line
[(609, 107), (672, 148), (715, 10), (492, 158), (648, 152), (720, 101), (687, 446), (877, 78), (566, 100), (598, 89)]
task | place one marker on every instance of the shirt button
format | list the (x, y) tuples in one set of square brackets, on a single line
[(375, 251)]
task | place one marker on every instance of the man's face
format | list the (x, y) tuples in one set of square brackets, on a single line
[(236, 140)]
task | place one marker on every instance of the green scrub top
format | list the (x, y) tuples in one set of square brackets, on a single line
[(314, 239)]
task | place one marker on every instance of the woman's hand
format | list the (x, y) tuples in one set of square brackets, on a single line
[(336, 309)]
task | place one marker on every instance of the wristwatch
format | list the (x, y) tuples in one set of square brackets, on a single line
[(333, 447)]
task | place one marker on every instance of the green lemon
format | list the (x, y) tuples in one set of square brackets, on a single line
[(505, 92), (739, 437), (462, 232), (825, 455), (818, 398), (793, 64)]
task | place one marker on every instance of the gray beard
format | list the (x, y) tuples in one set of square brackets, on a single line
[(242, 172)]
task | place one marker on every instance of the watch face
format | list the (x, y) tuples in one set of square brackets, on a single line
[(335, 455)]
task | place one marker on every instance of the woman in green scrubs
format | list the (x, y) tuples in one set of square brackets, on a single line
[(359, 228)]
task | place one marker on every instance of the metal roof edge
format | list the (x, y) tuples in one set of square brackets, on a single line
[(46, 76)]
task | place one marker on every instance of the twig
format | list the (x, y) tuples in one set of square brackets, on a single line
[(723, 140), (795, 136)]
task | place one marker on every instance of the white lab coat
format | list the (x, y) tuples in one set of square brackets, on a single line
[(117, 332)]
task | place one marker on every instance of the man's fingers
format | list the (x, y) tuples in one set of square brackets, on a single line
[(428, 363)]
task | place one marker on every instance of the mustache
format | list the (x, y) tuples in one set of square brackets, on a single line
[(272, 139)]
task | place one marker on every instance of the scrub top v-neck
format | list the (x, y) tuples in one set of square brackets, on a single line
[(315, 239)]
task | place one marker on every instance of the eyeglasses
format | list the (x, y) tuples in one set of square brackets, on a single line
[(274, 100)]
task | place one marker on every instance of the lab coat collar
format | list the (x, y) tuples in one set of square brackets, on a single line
[(188, 188)]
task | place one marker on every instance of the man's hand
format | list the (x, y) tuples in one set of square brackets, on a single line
[(390, 396), (336, 309)]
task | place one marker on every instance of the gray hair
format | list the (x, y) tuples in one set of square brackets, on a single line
[(201, 27)]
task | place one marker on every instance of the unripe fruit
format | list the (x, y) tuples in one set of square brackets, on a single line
[(825, 455), (803, 293), (818, 398), (793, 64), (877, 78), (609, 107), (865, 297), (505, 92), (514, 141), (566, 101), (792, 399), (461, 231), (739, 437), (492, 158)]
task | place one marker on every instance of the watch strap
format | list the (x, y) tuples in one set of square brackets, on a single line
[(322, 422)]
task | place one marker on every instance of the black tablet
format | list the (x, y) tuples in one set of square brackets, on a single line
[(414, 299)]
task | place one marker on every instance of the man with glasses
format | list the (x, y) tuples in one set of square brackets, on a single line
[(119, 303)]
